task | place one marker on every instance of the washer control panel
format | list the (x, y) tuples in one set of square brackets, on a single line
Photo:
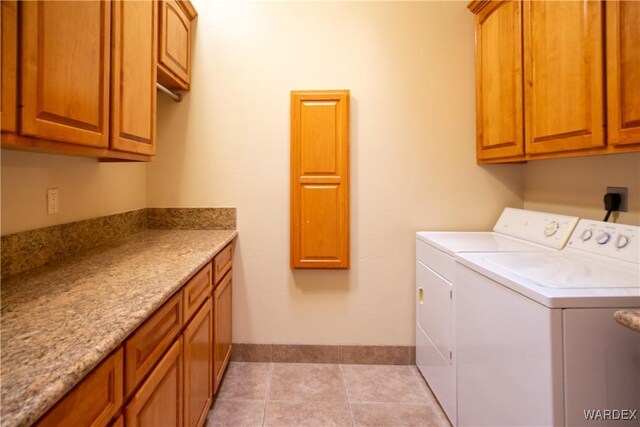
[(619, 241), (537, 227)]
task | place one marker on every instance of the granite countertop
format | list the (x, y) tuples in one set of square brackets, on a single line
[(629, 318), (61, 320)]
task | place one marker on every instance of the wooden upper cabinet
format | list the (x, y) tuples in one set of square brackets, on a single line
[(623, 72), (65, 71), (320, 179), (9, 85), (133, 86), (563, 63), (499, 116), (174, 60), (95, 401)]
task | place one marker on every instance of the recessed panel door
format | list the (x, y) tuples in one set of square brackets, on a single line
[(564, 96), (623, 72), (66, 47), (133, 88), (320, 179)]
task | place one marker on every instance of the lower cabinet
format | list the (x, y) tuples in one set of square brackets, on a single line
[(158, 401), (222, 327), (198, 372), (167, 371), (93, 402)]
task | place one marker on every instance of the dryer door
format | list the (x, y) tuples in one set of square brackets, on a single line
[(434, 308), (434, 336)]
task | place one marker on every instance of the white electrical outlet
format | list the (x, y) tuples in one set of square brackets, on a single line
[(52, 201)]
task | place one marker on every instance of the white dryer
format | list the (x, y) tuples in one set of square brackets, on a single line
[(516, 230), (536, 340)]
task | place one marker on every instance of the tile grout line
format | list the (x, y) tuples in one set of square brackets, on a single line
[(431, 403), (266, 397), (346, 395)]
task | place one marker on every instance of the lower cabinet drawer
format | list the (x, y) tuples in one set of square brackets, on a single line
[(197, 289), (222, 263), (150, 340), (95, 401), (158, 401)]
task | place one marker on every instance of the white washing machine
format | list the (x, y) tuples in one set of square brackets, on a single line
[(536, 340), (516, 230)]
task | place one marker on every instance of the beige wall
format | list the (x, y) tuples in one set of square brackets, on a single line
[(86, 187), (576, 186), (409, 67)]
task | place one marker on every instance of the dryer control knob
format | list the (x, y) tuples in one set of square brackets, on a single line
[(603, 238), (550, 229), (622, 241), (586, 235)]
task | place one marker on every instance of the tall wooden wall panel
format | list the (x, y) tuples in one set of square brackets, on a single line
[(320, 179)]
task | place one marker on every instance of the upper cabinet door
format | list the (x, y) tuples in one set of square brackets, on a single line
[(65, 71), (9, 87), (174, 62), (499, 102), (623, 72), (563, 76), (133, 123), (320, 179)]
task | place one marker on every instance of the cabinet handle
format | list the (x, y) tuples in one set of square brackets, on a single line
[(421, 296)]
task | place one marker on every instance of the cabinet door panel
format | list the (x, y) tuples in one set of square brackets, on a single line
[(9, 88), (198, 372), (320, 218), (175, 45), (563, 73), (158, 402), (499, 102), (320, 179), (93, 402), (222, 299), (623, 72), (65, 71), (133, 90)]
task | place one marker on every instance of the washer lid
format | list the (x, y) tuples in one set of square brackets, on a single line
[(569, 271), (461, 241)]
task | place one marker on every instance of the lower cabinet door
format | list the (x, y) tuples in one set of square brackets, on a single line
[(158, 401), (95, 401), (198, 372), (222, 327)]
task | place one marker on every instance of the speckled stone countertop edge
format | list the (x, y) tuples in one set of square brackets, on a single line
[(27, 409), (629, 318)]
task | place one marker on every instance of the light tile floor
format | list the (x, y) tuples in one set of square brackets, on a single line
[(304, 394)]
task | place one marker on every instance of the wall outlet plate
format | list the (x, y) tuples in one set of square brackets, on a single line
[(624, 195), (53, 206)]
